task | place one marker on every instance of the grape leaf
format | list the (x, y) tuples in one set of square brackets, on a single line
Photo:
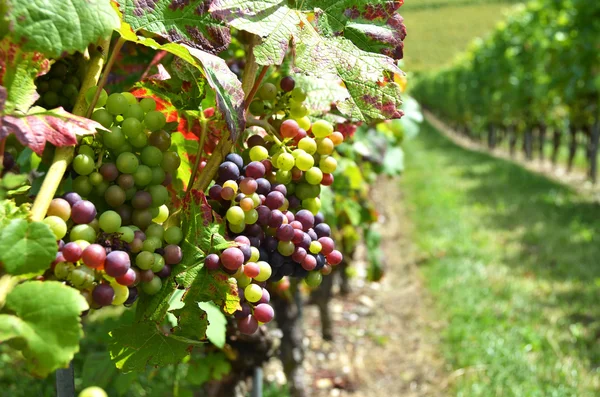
[(323, 93), (46, 323), (133, 347), (56, 126), (214, 365), (366, 75), (10, 211), (55, 27), (393, 162), (27, 247), (178, 21), (373, 26), (217, 323), (18, 69)]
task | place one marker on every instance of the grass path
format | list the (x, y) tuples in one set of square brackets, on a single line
[(513, 262)]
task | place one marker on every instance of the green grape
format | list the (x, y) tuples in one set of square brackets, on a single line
[(298, 111), (70, 91), (285, 161), (89, 96), (132, 127), (83, 165), (121, 294), (315, 247), (298, 94), (131, 99), (159, 263), (259, 153), (62, 270), (93, 391), (81, 277), (125, 148), (55, 85), (304, 161), (114, 196), (101, 189), (87, 150), (83, 232), (267, 91), (312, 204), (42, 87), (57, 225), (159, 194), (314, 279), (255, 254), (110, 221), (155, 120), (253, 293), (127, 163), (151, 156), (235, 215), (242, 280), (155, 230), (256, 199), (103, 117), (285, 248), (82, 186), (151, 244), (135, 111), (158, 176), (162, 214), (152, 287), (284, 177), (82, 243), (304, 123), (51, 99), (264, 272), (142, 176), (119, 118), (308, 144), (144, 260), (328, 164), (325, 146), (73, 80), (322, 128), (114, 139), (173, 235), (117, 104), (257, 108), (314, 176), (147, 104), (154, 211), (126, 234), (96, 178), (170, 162), (250, 217), (139, 141), (237, 228)]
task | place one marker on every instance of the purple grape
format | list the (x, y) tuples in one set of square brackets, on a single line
[(254, 231), (280, 187), (320, 261), (164, 272), (276, 218), (255, 170), (247, 325), (117, 263), (274, 200), (264, 312), (232, 258), (322, 230), (125, 213), (285, 233), (245, 312), (212, 261), (305, 243), (266, 297), (215, 192), (264, 215), (242, 240), (72, 252), (255, 140), (139, 235), (263, 254), (173, 254), (294, 202), (235, 159), (276, 259), (103, 294), (290, 216), (271, 243), (228, 171), (313, 236), (264, 186), (254, 241), (146, 275), (299, 254), (72, 198), (306, 218), (319, 218), (109, 171), (141, 200), (133, 295), (83, 212), (287, 269), (245, 248), (287, 84)]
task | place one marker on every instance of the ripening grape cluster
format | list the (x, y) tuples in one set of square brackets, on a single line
[(59, 87), (112, 241), (269, 196)]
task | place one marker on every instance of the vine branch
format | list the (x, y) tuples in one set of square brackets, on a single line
[(203, 124), (255, 86), (102, 82)]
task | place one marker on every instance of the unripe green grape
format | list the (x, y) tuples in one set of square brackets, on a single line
[(297, 152), (256, 199), (103, 117), (259, 153), (304, 161), (127, 234), (314, 176), (151, 156), (298, 94), (312, 204), (255, 254), (152, 287), (159, 263), (328, 164), (82, 186), (267, 91), (70, 91), (235, 215), (132, 127), (314, 279), (50, 99), (129, 193), (55, 85), (155, 230), (325, 146), (87, 150), (162, 214), (83, 232), (131, 99), (303, 122), (170, 162), (62, 270), (127, 163), (322, 128), (114, 139), (285, 248), (124, 149), (110, 221), (253, 293), (147, 104), (173, 235), (155, 120), (257, 107), (298, 111), (96, 178), (83, 165), (158, 176), (121, 293), (237, 228), (57, 225), (114, 196), (154, 212), (250, 217), (135, 111), (139, 141), (306, 190), (159, 194), (265, 272), (101, 188), (242, 280), (117, 104), (81, 277), (142, 175), (284, 177), (308, 144), (89, 96), (285, 161), (151, 244), (145, 260), (315, 247)]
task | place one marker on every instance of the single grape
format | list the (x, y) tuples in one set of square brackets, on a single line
[(114, 139), (144, 260), (304, 161), (235, 215), (170, 162), (72, 252), (158, 176), (265, 271), (151, 244), (130, 97), (141, 218), (287, 84), (134, 111), (138, 141), (164, 272), (148, 104), (312, 204), (93, 391), (117, 104), (132, 127), (83, 164), (173, 254), (257, 107), (327, 180), (232, 258), (89, 96), (159, 194), (114, 196), (251, 217), (274, 200), (286, 162), (83, 232), (155, 230), (322, 128), (133, 295), (61, 208), (314, 176), (160, 139), (264, 313), (155, 120), (336, 137), (142, 175), (297, 111), (82, 185), (117, 263), (289, 128), (121, 292), (258, 153), (212, 261), (314, 279), (127, 163), (334, 258), (267, 91), (309, 263), (83, 211), (110, 221), (298, 94), (103, 294), (151, 156), (325, 146), (126, 234), (247, 325), (253, 293), (152, 287), (255, 169), (109, 172), (72, 198), (159, 263)]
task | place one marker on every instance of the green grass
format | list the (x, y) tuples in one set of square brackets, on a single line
[(438, 30), (513, 264)]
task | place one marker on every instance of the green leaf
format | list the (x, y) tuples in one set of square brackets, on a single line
[(55, 27), (186, 148), (9, 211), (56, 126), (217, 323), (393, 162), (27, 248), (323, 93), (186, 22), (17, 74), (134, 347), (46, 323)]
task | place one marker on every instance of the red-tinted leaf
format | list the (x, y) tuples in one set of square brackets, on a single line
[(55, 126)]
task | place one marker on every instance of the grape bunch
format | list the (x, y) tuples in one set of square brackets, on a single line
[(116, 242), (59, 87)]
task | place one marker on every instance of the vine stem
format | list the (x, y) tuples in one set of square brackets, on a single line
[(2, 146), (257, 82), (102, 82), (203, 124), (64, 155)]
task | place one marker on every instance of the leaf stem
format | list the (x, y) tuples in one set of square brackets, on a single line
[(212, 165), (102, 82), (203, 123), (64, 155), (255, 86)]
